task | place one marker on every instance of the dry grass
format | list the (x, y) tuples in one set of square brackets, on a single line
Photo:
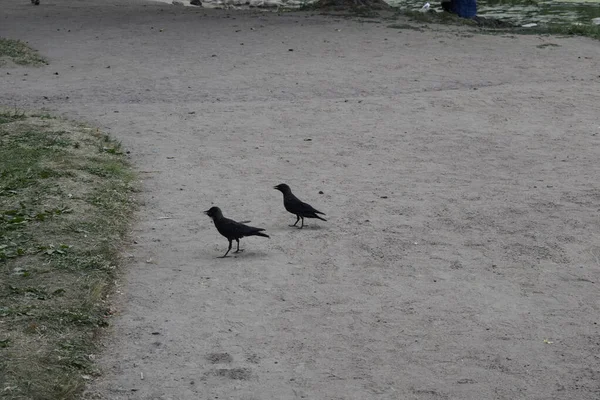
[(66, 200), (19, 52)]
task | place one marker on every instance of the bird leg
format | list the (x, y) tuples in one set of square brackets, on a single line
[(297, 219), (228, 250), (302, 226), (238, 247)]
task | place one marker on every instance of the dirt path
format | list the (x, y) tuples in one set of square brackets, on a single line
[(461, 259)]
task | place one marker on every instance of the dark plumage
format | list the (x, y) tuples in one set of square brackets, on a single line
[(231, 229), (294, 205)]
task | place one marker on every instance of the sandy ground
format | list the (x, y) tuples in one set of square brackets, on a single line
[(461, 259)]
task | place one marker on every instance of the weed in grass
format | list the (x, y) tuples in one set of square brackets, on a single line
[(65, 205)]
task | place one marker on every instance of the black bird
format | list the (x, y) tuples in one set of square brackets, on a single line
[(232, 229), (297, 207)]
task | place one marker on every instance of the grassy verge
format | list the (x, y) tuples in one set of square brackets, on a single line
[(495, 26), (591, 31), (65, 206), (19, 53)]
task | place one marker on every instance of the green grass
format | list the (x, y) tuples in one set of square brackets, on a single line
[(19, 53), (66, 201)]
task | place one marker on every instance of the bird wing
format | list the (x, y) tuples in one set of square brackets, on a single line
[(307, 208), (234, 229), (297, 206)]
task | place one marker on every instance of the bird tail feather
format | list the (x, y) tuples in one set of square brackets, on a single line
[(322, 219), (262, 234)]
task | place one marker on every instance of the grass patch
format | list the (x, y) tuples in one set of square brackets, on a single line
[(591, 31), (494, 26), (66, 201), (19, 53)]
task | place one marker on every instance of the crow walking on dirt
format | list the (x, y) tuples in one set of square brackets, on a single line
[(232, 229), (297, 207)]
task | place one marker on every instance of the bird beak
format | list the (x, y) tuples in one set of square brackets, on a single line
[(206, 212), (275, 187)]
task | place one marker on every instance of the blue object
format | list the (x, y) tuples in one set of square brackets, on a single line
[(464, 8)]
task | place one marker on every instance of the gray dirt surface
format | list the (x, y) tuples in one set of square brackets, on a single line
[(459, 172)]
